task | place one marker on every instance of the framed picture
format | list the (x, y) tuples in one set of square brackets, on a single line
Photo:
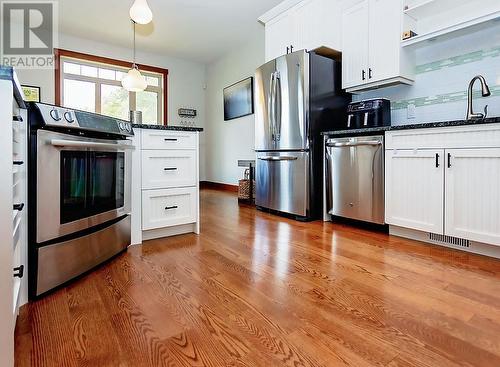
[(238, 100), (31, 93)]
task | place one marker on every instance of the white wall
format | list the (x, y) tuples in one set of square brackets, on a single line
[(185, 79), (227, 142)]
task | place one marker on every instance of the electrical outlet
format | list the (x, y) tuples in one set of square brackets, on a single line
[(411, 111)]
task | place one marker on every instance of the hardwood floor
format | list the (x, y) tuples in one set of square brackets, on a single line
[(259, 290)]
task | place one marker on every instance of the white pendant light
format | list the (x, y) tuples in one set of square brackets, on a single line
[(140, 12), (134, 81)]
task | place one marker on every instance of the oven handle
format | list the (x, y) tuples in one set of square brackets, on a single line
[(357, 144), (88, 144)]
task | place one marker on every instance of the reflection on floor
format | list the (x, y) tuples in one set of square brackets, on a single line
[(258, 290)]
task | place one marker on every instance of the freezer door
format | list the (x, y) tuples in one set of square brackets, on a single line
[(292, 101), (282, 182), (265, 102)]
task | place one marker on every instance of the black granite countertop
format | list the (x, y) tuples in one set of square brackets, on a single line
[(8, 73), (489, 120), (167, 127)]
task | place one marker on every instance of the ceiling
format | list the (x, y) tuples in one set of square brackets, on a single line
[(198, 30)]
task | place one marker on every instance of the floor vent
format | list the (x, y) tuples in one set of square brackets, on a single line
[(448, 240)]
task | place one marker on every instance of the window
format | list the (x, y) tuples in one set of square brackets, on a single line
[(93, 84)]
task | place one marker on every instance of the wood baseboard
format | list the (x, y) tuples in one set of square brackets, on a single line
[(218, 186)]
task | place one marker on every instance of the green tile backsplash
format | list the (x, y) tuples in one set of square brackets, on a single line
[(447, 63), (458, 60)]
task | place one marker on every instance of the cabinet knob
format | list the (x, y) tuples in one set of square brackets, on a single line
[(18, 207), (170, 169), (437, 160), (449, 160), (291, 48), (363, 75), (171, 207), (19, 272), (369, 73), (287, 50)]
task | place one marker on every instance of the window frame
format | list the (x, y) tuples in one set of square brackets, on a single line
[(91, 60)]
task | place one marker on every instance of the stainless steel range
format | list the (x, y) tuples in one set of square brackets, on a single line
[(79, 193)]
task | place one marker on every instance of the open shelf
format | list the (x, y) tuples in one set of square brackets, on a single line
[(432, 19), (426, 8)]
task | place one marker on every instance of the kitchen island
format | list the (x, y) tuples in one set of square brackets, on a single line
[(165, 183)]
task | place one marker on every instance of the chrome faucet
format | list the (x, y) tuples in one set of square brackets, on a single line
[(485, 92)]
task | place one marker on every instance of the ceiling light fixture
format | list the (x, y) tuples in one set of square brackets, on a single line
[(140, 12), (134, 81)]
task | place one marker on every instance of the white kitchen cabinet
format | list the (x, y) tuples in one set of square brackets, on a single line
[(473, 194), (280, 36), (317, 25), (168, 139), (168, 168), (307, 24), (13, 208), (165, 185), (355, 45), (168, 207), (443, 186), (414, 194), (371, 45)]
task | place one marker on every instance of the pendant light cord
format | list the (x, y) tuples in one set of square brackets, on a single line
[(134, 43)]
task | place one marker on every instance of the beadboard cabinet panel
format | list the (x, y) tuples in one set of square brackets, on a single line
[(414, 189), (473, 195)]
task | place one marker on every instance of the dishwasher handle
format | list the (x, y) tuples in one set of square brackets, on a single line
[(354, 144)]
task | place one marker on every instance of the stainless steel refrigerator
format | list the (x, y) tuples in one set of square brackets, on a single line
[(297, 96)]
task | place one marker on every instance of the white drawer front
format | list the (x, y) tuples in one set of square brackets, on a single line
[(459, 137), (169, 207), (158, 139), (168, 169)]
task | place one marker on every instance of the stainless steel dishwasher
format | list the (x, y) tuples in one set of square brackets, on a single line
[(355, 178)]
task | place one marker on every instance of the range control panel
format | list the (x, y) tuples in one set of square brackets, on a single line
[(73, 119)]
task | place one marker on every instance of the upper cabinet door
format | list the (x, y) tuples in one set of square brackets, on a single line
[(414, 181), (317, 25), (473, 194), (355, 44), (384, 39), (280, 34)]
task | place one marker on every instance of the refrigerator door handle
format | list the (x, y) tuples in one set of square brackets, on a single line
[(271, 105), (278, 105), (273, 158)]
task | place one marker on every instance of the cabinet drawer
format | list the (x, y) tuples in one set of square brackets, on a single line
[(157, 139), (163, 169), (169, 207), (457, 137)]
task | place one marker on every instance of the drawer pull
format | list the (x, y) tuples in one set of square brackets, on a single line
[(19, 207), (17, 118), (170, 139), (171, 207), (19, 272), (18, 163), (170, 169)]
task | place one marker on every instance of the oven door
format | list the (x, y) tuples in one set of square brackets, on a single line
[(81, 182)]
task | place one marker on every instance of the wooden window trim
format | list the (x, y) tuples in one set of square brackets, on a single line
[(58, 53)]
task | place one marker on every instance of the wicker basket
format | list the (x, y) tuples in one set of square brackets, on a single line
[(244, 187)]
